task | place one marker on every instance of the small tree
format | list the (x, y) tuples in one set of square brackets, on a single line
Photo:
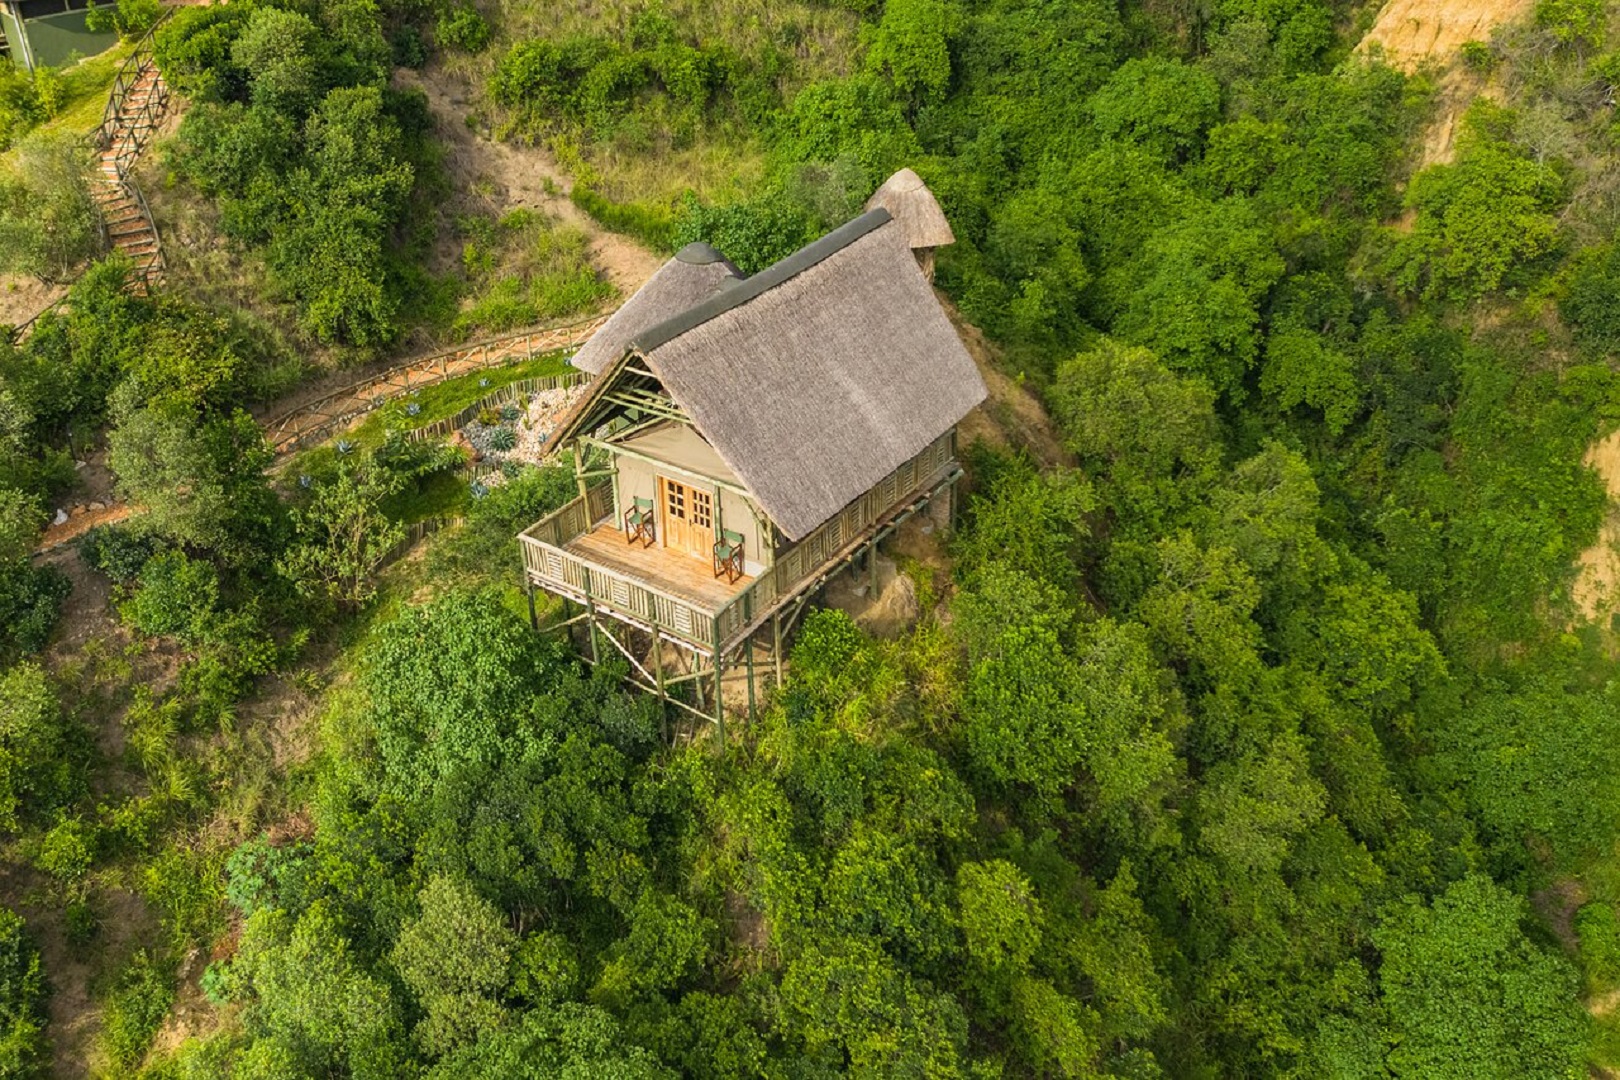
[(202, 483), (30, 596), (456, 958), (343, 537), (22, 1001), (1001, 917), (33, 749), (49, 223)]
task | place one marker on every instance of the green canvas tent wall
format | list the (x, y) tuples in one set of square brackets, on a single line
[(48, 33)]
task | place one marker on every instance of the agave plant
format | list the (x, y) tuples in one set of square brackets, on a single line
[(503, 439), (345, 446), (478, 490), (413, 408), (510, 413)]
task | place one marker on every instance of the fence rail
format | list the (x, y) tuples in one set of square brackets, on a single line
[(319, 419), (506, 395), (799, 563), (415, 533), (129, 75)]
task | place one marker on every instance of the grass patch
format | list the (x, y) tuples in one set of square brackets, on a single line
[(83, 89), (441, 493), (450, 397), (523, 268)]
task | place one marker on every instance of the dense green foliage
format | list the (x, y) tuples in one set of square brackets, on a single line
[(1256, 733), (311, 155)]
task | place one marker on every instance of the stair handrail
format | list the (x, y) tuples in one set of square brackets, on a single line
[(129, 74)]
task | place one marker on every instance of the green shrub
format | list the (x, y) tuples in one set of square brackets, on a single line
[(1591, 303), (463, 28), (259, 875), (119, 551), (753, 234), (131, 18), (67, 852), (22, 1002), (49, 223), (409, 49), (38, 770), (30, 603), (135, 1009), (1598, 928), (178, 595)]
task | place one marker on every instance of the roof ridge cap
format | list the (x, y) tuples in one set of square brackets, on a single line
[(813, 253)]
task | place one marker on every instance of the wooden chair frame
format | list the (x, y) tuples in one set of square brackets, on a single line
[(638, 522), (728, 555)]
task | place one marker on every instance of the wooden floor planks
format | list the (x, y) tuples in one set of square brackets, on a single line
[(674, 572)]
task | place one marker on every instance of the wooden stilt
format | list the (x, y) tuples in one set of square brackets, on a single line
[(719, 700), (776, 644), (579, 471), (534, 616), (590, 624), (871, 570), (663, 694), (749, 645)]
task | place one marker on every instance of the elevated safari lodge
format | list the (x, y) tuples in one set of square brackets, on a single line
[(745, 439)]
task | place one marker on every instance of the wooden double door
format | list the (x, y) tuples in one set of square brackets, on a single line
[(688, 514)]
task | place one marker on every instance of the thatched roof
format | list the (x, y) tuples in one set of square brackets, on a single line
[(908, 201), (819, 376), (693, 275)]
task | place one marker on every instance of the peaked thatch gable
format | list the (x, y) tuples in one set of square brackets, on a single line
[(692, 276), (909, 202), (819, 376)]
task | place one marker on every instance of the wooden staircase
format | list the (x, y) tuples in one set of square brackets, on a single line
[(133, 113)]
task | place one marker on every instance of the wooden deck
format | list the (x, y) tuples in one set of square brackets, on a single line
[(675, 572)]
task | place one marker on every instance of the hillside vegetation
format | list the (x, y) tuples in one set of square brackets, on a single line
[(1265, 739)]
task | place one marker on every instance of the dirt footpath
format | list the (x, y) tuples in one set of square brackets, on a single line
[(500, 176)]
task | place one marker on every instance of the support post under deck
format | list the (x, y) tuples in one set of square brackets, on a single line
[(776, 644), (719, 699), (590, 626)]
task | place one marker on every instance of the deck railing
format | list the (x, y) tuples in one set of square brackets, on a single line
[(556, 569), (828, 542)]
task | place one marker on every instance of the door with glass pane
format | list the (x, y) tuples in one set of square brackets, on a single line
[(688, 517)]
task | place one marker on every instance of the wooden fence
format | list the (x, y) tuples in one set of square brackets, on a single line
[(320, 419), (415, 533), (511, 393)]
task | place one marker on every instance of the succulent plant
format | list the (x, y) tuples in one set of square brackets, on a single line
[(503, 439), (413, 408), (478, 490), (510, 413), (345, 446)]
